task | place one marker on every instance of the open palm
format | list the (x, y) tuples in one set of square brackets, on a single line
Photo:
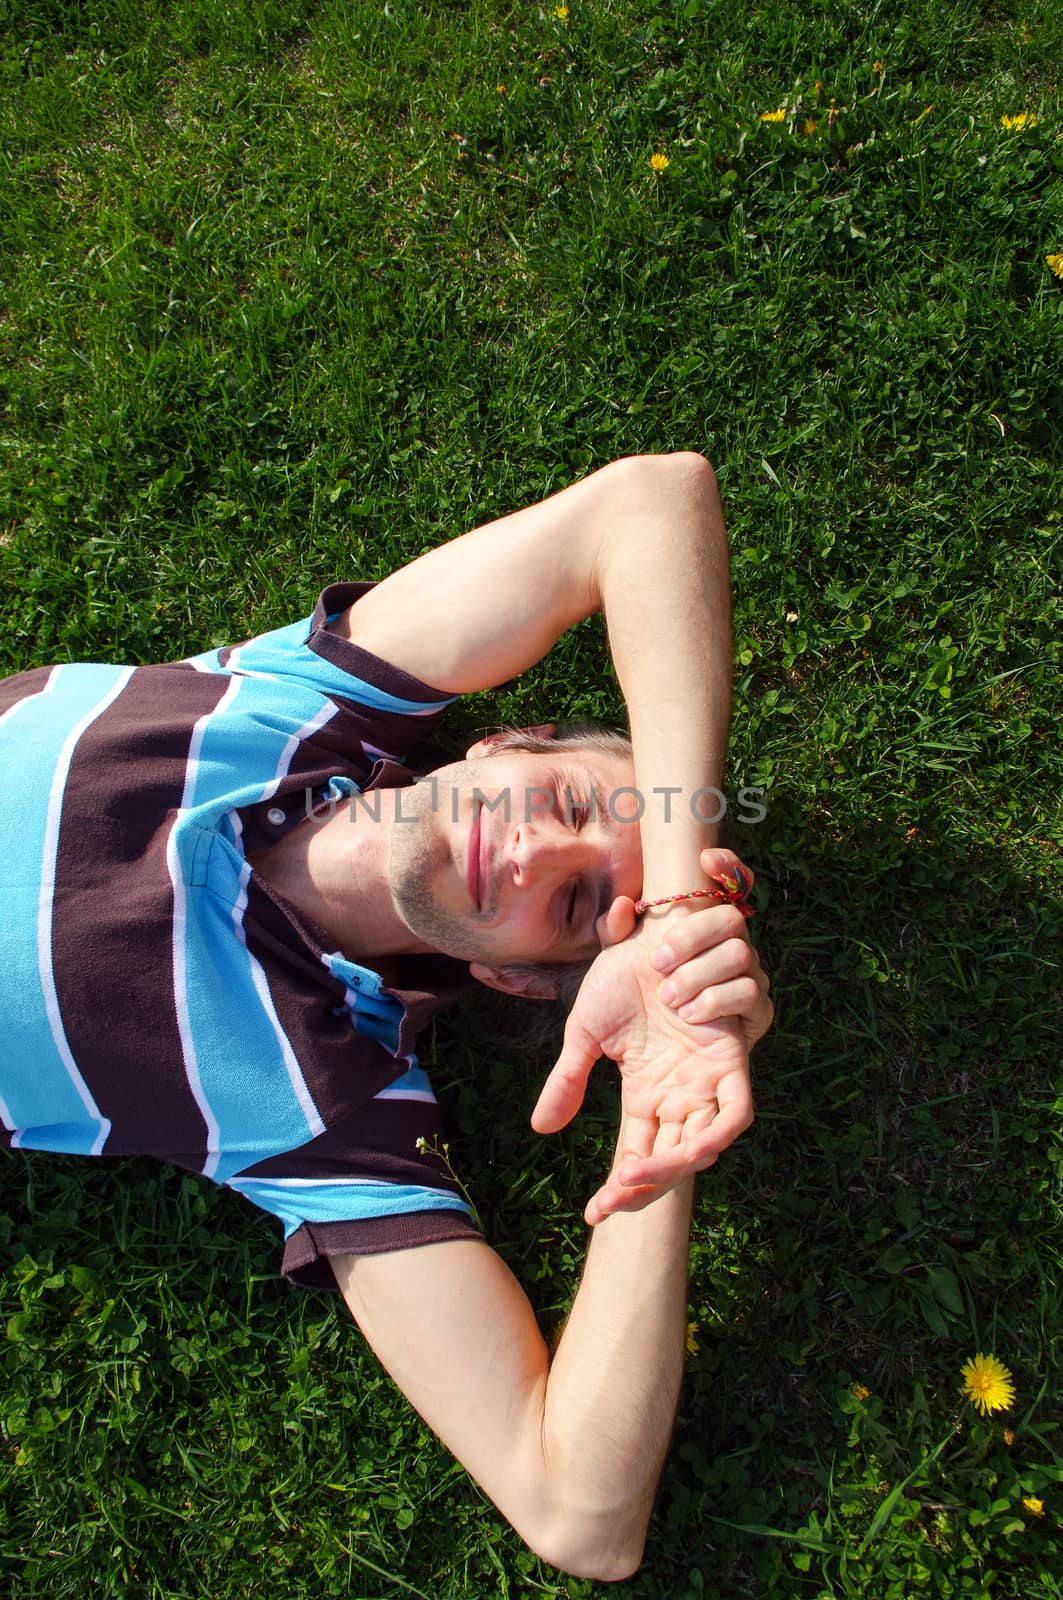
[(685, 1087)]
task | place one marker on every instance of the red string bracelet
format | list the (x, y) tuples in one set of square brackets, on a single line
[(733, 891)]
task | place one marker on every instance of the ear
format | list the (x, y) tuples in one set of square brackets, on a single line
[(527, 985), (490, 742)]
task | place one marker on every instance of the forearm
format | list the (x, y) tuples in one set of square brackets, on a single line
[(614, 1381), (569, 1449), (662, 582)]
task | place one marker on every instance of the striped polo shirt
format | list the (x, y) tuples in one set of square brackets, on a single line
[(157, 996)]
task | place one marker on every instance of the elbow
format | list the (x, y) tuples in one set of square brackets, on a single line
[(606, 1550), (687, 466), (681, 486)]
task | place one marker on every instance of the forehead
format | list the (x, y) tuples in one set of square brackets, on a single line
[(606, 769)]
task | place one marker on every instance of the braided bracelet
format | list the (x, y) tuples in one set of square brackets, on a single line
[(732, 891)]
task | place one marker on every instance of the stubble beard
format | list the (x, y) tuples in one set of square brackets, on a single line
[(418, 852)]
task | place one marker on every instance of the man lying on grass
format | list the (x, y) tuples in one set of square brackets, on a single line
[(228, 906)]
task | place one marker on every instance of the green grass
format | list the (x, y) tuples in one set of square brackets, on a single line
[(292, 292)]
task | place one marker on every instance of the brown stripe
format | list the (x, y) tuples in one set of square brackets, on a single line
[(377, 1140), (306, 1253), (112, 940), (352, 658), (21, 686), (341, 1070)]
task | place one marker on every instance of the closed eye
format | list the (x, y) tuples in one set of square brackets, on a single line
[(574, 809)]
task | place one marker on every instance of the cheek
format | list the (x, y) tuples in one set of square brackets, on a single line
[(523, 932)]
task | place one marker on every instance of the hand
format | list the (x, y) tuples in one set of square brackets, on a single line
[(685, 1086), (711, 969)]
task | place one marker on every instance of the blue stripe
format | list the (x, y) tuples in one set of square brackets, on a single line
[(296, 1203), (41, 1096), (413, 1082), (244, 740), (244, 1076), (284, 653), (258, 1107), (376, 1015)]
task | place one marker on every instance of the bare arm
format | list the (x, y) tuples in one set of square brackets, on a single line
[(569, 1450), (644, 541)]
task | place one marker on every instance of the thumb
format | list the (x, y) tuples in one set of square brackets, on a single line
[(618, 923), (562, 1093), (719, 864)]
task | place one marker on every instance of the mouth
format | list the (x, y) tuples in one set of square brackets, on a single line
[(473, 874)]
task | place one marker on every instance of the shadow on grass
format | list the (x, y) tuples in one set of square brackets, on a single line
[(889, 1214)]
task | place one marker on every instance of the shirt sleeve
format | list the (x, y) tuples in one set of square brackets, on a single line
[(377, 1180), (386, 709)]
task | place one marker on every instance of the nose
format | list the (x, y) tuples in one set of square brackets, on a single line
[(541, 854)]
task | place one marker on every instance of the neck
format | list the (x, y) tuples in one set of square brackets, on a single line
[(336, 873)]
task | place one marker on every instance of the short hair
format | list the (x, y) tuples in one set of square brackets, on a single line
[(582, 733), (564, 977)]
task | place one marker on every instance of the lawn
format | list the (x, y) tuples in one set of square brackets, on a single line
[(290, 293)]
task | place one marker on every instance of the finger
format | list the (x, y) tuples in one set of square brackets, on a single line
[(669, 1135), (717, 863), (739, 998), (696, 933), (562, 1094), (757, 1025), (639, 1134), (716, 858), (692, 1155), (734, 958), (613, 1197), (618, 923)]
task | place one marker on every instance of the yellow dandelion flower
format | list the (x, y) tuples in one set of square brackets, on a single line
[(561, 13), (878, 66), (818, 85), (692, 1338), (810, 126), (860, 1393), (500, 88), (1035, 1507), (1022, 119), (987, 1383), (1009, 1437), (659, 162), (1055, 264), (773, 116)]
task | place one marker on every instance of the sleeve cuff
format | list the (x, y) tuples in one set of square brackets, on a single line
[(307, 1251)]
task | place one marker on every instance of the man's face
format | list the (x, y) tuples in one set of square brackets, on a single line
[(515, 856)]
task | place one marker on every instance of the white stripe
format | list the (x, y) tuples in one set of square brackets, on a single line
[(198, 665), (288, 1056), (53, 678), (424, 1095), (307, 731), (46, 900), (180, 918), (233, 665), (341, 1183), (377, 699), (5, 1116)]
